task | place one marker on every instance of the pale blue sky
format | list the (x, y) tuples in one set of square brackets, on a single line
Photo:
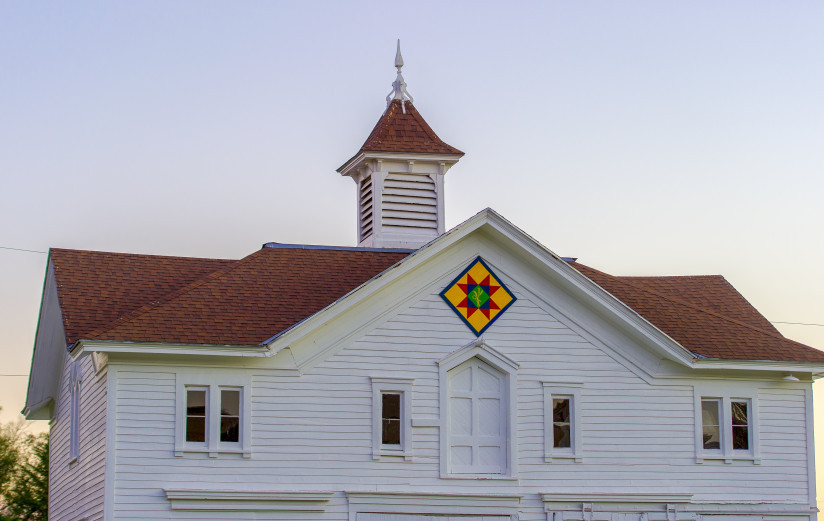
[(643, 137)]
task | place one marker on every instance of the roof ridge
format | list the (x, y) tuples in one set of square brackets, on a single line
[(155, 255), (698, 308), (146, 308), (669, 276)]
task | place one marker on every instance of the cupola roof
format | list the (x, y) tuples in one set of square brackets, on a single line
[(401, 128)]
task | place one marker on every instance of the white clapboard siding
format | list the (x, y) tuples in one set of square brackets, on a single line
[(314, 431), (76, 490)]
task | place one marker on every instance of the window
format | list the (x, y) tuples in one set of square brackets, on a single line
[(562, 430), (75, 378), (212, 418), (477, 419), (196, 400), (230, 415), (726, 425), (739, 414), (392, 417), (561, 422)]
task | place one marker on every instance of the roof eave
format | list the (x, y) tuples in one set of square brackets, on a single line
[(364, 155), (157, 348), (788, 366)]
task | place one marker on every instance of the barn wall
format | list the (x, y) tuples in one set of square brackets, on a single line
[(313, 432)]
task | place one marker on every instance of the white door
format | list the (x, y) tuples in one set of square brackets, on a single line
[(477, 419)]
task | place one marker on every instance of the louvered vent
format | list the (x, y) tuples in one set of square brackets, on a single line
[(366, 206), (409, 201)]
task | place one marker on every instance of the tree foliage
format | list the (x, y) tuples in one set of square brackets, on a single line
[(24, 474)]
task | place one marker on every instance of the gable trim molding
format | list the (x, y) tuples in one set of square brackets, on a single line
[(433, 503), (245, 500)]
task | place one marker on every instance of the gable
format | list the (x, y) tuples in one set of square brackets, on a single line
[(407, 317), (146, 298), (676, 329)]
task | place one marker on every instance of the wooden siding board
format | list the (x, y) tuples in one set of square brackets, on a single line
[(314, 430), (77, 490)]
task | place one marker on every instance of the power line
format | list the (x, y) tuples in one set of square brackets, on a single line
[(798, 323), (21, 249), (14, 375)]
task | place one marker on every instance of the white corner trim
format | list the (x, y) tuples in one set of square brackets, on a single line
[(267, 501), (808, 422), (100, 361), (110, 451)]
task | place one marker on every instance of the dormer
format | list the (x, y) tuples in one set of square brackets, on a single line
[(399, 172)]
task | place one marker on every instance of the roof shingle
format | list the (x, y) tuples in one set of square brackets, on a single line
[(399, 131), (148, 298)]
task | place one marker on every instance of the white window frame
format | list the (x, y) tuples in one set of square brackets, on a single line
[(213, 446), (75, 381), (403, 387), (572, 391), (726, 394), (481, 350)]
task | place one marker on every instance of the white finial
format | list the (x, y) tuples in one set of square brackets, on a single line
[(399, 91)]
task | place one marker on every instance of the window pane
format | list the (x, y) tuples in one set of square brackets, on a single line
[(740, 437), (560, 410), (739, 413), (391, 406), (391, 434), (196, 428), (740, 425), (230, 402), (560, 435), (196, 403), (711, 428), (230, 428)]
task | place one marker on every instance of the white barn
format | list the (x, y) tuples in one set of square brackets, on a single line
[(420, 376)]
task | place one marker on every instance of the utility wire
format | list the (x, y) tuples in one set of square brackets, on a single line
[(14, 375), (21, 249), (798, 323)]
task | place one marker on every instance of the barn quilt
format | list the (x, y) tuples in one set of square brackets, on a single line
[(478, 296)]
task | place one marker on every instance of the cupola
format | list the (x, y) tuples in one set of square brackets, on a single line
[(399, 172)]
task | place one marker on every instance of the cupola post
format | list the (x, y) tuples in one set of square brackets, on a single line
[(399, 172)]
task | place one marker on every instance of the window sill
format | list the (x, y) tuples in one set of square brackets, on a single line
[(489, 477), (213, 453), (728, 459), (390, 453), (549, 457)]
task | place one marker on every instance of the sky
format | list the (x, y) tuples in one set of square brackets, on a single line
[(643, 137)]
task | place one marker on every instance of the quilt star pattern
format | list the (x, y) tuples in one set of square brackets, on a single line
[(478, 296)]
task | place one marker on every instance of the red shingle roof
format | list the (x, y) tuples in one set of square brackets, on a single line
[(705, 315), (148, 298), (397, 131), (96, 288), (245, 302)]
